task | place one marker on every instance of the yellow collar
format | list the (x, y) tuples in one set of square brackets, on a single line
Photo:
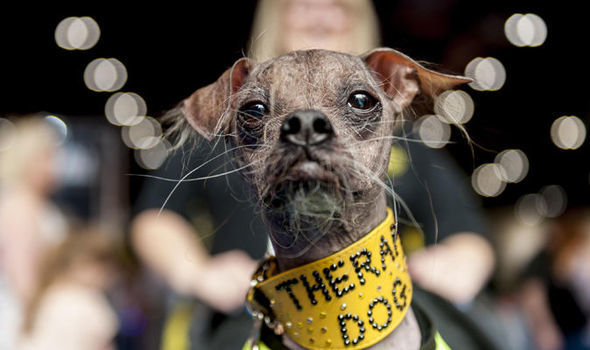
[(349, 300)]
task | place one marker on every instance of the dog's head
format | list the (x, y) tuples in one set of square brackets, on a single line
[(313, 129)]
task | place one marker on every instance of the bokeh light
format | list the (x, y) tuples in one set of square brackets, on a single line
[(77, 33), (488, 74), (105, 74), (6, 134), (432, 131), (555, 199), (59, 126), (531, 209), (125, 108), (488, 180), (152, 158), (143, 135), (525, 30), (455, 106), (568, 132), (514, 163)]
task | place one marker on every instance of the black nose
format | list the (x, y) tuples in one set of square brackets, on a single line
[(306, 127)]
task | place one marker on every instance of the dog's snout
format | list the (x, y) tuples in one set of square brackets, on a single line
[(306, 127)]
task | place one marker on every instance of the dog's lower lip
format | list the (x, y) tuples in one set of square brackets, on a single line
[(309, 170), (308, 166)]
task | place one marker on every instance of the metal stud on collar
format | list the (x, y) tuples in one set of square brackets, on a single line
[(257, 311)]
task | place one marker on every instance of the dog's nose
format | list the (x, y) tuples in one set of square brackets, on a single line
[(306, 127)]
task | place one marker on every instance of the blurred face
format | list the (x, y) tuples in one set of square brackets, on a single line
[(317, 24), (42, 173), (99, 275)]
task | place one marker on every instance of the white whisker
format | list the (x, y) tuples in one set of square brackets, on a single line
[(191, 172)]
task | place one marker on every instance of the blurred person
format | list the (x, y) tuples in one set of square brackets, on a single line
[(443, 228), (170, 244), (454, 257), (30, 223), (69, 309), (554, 291), (203, 245), (281, 26)]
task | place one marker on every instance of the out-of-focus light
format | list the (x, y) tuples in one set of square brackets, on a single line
[(432, 131), (61, 33), (105, 74), (7, 131), (153, 158), (510, 30), (531, 209), (568, 132), (455, 106), (60, 127), (525, 30), (470, 72), (143, 135), (540, 29), (488, 74), (555, 199), (77, 33), (125, 108), (487, 180), (514, 163)]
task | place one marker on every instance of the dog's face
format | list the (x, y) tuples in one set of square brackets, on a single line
[(313, 124), (313, 129)]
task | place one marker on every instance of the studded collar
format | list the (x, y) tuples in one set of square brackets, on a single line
[(431, 338), (349, 300)]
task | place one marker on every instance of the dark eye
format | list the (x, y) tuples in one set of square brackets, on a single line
[(251, 122), (254, 110), (361, 100)]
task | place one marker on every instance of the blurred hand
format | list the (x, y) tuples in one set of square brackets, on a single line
[(223, 281), (548, 337), (168, 244), (456, 268), (535, 305)]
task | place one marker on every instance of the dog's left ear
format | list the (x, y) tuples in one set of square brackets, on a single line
[(205, 108), (402, 78)]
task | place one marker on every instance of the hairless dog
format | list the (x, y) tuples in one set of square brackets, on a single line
[(312, 132)]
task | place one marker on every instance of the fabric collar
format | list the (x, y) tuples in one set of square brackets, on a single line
[(349, 300)]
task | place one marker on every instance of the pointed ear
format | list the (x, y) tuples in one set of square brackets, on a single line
[(402, 78), (205, 108)]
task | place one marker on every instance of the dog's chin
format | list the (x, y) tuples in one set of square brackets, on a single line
[(306, 192)]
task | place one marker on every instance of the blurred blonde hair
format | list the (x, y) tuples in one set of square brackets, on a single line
[(30, 137), (266, 28)]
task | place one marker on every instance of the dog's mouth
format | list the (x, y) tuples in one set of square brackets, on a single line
[(310, 170), (309, 193), (305, 184)]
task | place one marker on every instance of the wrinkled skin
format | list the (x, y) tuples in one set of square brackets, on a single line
[(316, 198)]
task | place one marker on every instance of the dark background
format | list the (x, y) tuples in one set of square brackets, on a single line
[(171, 49)]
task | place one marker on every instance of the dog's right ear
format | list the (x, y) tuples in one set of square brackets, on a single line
[(205, 108)]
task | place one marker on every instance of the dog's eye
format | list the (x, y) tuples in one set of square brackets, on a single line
[(361, 100), (254, 110)]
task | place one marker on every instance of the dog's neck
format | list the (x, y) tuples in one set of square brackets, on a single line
[(406, 335), (317, 244)]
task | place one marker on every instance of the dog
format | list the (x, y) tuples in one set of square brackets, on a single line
[(311, 132)]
